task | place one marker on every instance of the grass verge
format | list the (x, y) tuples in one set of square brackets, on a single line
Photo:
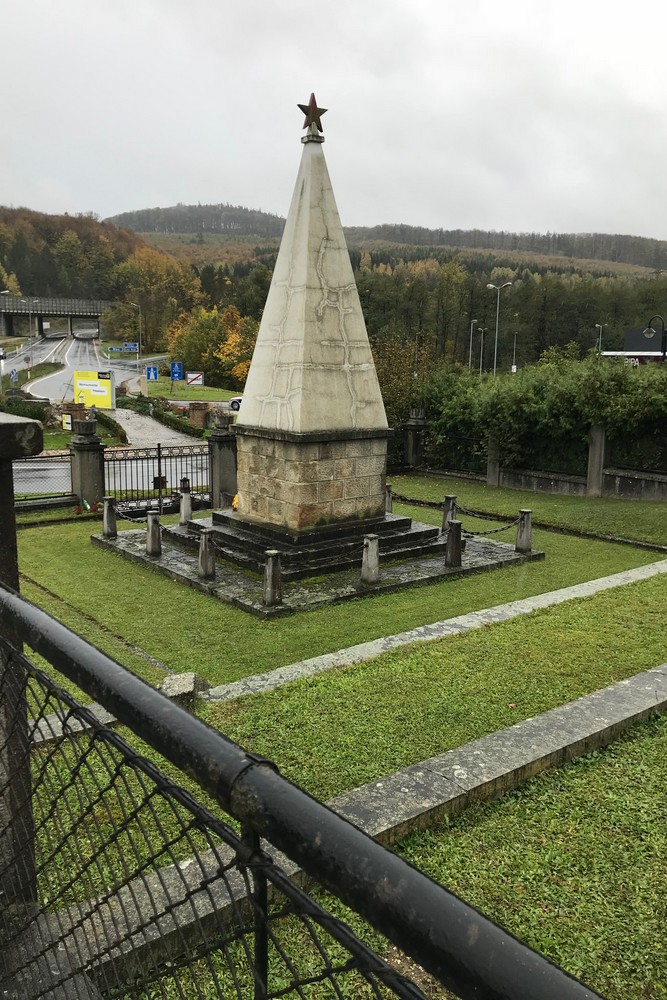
[(644, 521), (573, 863), (184, 628)]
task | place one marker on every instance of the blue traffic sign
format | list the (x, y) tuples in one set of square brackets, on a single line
[(13, 375), (132, 348), (151, 373), (113, 350), (177, 371)]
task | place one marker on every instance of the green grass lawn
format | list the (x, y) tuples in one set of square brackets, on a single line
[(573, 863), (642, 521), (180, 626), (56, 440), (164, 387)]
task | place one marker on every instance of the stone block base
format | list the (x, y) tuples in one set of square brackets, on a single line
[(304, 481)]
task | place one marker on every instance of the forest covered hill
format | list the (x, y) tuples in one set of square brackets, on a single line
[(238, 222)]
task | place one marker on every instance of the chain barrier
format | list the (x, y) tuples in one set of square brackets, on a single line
[(493, 531), (459, 510), (418, 503)]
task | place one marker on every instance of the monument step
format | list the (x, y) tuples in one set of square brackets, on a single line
[(399, 538)]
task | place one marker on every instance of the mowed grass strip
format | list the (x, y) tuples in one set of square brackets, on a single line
[(573, 863), (644, 521), (187, 630), (341, 729)]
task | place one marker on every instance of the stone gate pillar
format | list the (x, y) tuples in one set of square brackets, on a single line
[(87, 461), (222, 460)]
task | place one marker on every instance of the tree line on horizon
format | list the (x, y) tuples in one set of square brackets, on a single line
[(416, 299), (240, 221)]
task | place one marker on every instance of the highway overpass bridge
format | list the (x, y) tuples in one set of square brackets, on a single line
[(41, 307)]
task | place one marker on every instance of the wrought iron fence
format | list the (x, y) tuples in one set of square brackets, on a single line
[(117, 881), (42, 476), (136, 475)]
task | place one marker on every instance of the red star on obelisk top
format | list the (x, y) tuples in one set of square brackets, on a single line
[(312, 113)]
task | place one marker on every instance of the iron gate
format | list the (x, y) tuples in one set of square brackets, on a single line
[(150, 478)]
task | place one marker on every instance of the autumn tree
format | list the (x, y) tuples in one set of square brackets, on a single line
[(161, 286), (219, 343)]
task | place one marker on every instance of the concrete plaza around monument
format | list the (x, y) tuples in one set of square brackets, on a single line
[(244, 589)]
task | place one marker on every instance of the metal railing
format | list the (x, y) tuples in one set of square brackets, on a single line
[(117, 881), (136, 475)]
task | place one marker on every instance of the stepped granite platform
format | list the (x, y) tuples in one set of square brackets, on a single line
[(236, 581)]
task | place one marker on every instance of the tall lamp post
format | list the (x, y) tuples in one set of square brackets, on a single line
[(137, 306), (473, 323), (495, 349), (650, 332), (599, 326), (29, 303), (482, 331), (514, 354)]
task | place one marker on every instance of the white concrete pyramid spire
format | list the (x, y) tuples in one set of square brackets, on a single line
[(312, 370)]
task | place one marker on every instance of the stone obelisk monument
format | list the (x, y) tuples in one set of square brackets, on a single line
[(312, 431)]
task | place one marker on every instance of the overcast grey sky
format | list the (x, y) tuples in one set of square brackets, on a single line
[(536, 115)]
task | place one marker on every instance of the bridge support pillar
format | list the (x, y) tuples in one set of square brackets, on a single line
[(40, 326), (6, 325), (70, 326), (87, 461)]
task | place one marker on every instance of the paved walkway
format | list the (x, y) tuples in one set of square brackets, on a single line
[(427, 633), (143, 431)]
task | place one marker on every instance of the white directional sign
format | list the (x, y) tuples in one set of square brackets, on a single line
[(195, 378)]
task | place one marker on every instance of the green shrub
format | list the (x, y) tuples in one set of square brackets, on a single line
[(541, 416), (25, 408), (105, 420)]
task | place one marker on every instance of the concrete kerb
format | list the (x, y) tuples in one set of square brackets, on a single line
[(258, 683), (418, 796)]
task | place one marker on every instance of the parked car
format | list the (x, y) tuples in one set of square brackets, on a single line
[(235, 402), (3, 354)]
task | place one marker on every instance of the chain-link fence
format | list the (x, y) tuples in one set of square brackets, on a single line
[(120, 877), (42, 476)]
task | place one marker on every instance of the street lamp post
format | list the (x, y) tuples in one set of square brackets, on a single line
[(29, 303), (514, 354), (650, 332), (599, 326), (473, 323), (482, 331), (495, 349), (137, 306)]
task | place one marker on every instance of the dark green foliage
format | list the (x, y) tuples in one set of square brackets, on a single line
[(541, 416), (25, 408), (107, 421), (200, 219)]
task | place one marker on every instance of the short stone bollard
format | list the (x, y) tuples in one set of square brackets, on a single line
[(153, 535), (185, 514), (370, 560), (524, 532), (109, 528), (453, 546), (206, 565), (273, 580), (388, 499), (448, 512)]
